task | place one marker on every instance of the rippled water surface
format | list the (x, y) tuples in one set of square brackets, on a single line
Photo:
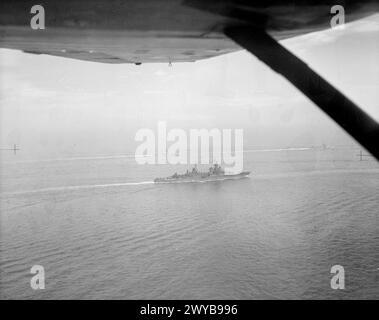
[(102, 229)]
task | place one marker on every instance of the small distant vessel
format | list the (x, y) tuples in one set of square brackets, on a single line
[(215, 173)]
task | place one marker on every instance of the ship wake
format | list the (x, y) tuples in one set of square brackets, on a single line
[(77, 188)]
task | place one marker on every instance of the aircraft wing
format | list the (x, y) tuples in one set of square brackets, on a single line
[(143, 31)]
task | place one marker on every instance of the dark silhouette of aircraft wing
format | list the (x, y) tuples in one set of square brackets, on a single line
[(141, 31)]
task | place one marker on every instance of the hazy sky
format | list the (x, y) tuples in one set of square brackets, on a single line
[(56, 107)]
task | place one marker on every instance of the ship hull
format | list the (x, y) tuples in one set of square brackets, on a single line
[(204, 178)]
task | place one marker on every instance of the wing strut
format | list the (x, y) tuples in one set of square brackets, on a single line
[(343, 111)]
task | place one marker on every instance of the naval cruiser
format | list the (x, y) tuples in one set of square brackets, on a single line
[(215, 173)]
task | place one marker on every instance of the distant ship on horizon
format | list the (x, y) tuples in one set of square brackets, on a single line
[(215, 173)]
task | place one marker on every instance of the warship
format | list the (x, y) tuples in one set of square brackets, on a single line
[(215, 173)]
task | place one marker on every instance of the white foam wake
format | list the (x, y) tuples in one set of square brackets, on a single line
[(80, 187)]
